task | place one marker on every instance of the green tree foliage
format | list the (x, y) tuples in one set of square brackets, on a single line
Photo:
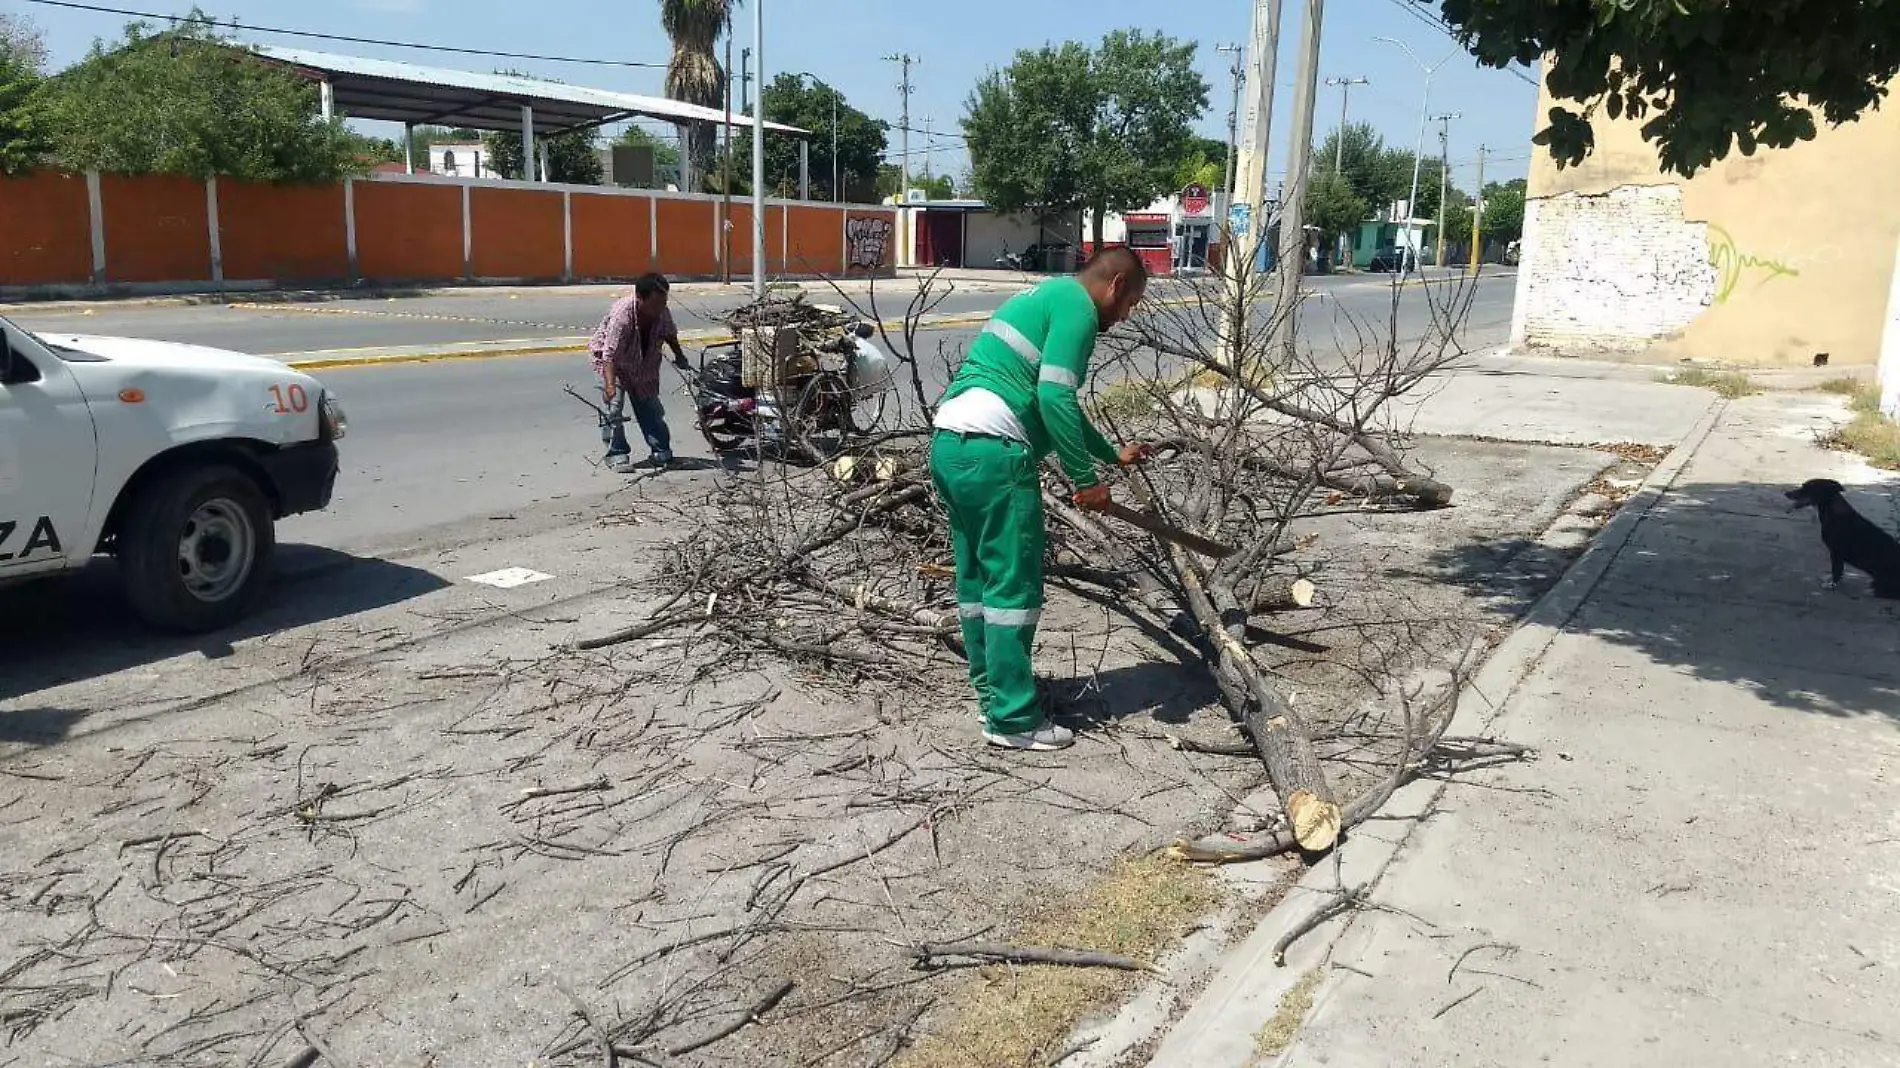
[(571, 157), (935, 186), (24, 140), (22, 42), (1203, 162), (1067, 127), (693, 74), (1334, 208), (183, 101), (1458, 217), (795, 101), (1504, 210), (666, 154), (1705, 76)]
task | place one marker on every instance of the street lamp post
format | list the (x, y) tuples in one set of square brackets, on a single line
[(1424, 114), (816, 80), (758, 156)]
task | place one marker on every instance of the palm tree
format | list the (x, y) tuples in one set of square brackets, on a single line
[(693, 74)]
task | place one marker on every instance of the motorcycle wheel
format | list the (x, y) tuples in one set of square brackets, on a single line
[(823, 408), (724, 433)]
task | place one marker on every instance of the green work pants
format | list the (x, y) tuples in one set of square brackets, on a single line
[(994, 496)]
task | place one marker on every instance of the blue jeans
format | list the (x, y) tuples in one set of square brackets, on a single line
[(650, 414)]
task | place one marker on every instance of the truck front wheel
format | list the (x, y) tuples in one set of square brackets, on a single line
[(194, 548)]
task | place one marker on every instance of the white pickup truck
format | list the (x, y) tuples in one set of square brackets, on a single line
[(176, 459)]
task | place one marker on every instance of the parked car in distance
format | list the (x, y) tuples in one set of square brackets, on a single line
[(1393, 258)]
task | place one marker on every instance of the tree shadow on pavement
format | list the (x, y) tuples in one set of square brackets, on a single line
[(1722, 582), (78, 627)]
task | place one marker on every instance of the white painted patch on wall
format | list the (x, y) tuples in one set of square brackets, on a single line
[(1890, 346), (1613, 271), (509, 577)]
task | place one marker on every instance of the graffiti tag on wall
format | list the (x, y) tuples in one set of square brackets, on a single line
[(1732, 264), (866, 242)]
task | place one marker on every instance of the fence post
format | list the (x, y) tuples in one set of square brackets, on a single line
[(211, 224), (349, 227), (96, 212)]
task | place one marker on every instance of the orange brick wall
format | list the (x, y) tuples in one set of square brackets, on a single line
[(815, 243), (281, 233), (613, 236), (156, 228), (517, 234), (45, 230), (408, 233), (686, 237)]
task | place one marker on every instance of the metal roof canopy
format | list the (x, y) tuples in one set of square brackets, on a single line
[(437, 96)]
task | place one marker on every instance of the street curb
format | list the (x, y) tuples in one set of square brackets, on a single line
[(1218, 1029)]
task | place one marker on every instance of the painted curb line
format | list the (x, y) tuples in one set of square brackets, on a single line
[(319, 361), (1218, 1029)]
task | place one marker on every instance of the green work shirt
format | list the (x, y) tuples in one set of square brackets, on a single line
[(1034, 355)]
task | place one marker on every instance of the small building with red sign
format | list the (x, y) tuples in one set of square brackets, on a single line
[(1174, 235)]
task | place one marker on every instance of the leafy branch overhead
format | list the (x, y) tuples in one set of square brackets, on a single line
[(1705, 77)]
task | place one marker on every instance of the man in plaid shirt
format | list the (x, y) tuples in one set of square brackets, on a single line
[(626, 350)]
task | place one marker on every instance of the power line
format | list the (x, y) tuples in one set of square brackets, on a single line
[(314, 35), (929, 133), (1439, 24)]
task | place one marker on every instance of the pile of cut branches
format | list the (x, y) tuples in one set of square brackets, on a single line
[(848, 565)]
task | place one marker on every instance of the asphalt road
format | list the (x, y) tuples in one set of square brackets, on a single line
[(436, 446), (529, 316)]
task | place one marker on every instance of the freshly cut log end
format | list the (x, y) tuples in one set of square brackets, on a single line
[(1316, 821), (1274, 596), (1430, 493)]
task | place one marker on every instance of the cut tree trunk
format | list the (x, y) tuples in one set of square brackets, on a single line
[(1278, 733), (1277, 595)]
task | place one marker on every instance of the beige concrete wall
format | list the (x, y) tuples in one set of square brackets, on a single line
[(1763, 260)]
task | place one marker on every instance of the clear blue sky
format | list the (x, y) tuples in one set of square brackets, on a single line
[(842, 41)]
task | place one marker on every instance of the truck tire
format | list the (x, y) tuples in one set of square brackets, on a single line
[(194, 548)]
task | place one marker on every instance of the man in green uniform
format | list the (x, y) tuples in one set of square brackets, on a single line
[(1012, 403)]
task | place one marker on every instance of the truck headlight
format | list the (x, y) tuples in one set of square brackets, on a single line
[(335, 423)]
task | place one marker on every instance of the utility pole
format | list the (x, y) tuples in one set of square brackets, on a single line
[(1292, 258), (1444, 175), (1477, 216), (758, 157), (725, 172), (927, 146), (745, 80), (1236, 72), (904, 60), (1250, 170), (1345, 95)]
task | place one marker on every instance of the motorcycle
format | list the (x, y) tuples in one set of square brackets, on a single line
[(844, 400)]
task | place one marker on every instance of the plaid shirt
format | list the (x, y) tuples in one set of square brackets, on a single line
[(617, 342)]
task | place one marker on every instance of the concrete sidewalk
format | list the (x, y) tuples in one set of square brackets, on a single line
[(1701, 865)]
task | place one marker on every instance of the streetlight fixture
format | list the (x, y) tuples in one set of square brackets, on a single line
[(1424, 113), (816, 80)]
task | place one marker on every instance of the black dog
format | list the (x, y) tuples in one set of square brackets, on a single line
[(1849, 537)]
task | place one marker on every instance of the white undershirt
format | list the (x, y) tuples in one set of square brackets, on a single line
[(978, 411)]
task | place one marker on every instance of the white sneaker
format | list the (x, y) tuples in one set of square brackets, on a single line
[(618, 461), (1041, 740)]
